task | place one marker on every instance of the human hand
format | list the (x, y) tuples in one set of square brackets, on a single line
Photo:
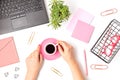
[(34, 63), (66, 51)]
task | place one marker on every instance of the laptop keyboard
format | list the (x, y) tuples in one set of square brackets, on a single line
[(18, 8)]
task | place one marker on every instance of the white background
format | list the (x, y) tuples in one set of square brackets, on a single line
[(95, 7)]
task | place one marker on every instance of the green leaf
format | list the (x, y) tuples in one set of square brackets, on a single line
[(59, 13)]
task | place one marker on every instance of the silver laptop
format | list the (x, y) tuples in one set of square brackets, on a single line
[(21, 14)]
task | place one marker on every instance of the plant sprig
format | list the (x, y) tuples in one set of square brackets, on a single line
[(59, 13)]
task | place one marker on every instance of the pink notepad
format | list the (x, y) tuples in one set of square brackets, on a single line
[(82, 31), (82, 15), (8, 53)]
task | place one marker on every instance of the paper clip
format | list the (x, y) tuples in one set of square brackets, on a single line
[(6, 74), (31, 37), (98, 67), (17, 68), (108, 12), (56, 71), (16, 76)]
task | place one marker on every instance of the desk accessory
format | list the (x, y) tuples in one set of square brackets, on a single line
[(82, 31), (80, 15), (31, 37), (43, 46), (8, 52), (86, 67), (56, 71), (108, 43), (6, 74), (109, 12), (98, 67), (59, 13), (17, 69), (79, 25), (16, 76)]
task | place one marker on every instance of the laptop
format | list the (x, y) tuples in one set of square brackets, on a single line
[(21, 14)]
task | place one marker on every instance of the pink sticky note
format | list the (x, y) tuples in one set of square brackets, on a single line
[(82, 15), (8, 53), (82, 31)]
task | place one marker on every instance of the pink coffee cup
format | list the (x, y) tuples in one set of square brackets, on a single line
[(49, 49)]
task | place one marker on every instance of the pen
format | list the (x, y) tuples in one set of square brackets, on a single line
[(85, 62)]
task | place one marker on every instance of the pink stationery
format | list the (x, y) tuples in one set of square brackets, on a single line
[(86, 66), (82, 31), (8, 53), (82, 15)]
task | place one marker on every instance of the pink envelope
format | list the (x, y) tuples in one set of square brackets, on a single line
[(80, 14), (8, 53), (82, 31)]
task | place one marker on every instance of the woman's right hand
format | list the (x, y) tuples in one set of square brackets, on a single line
[(66, 51)]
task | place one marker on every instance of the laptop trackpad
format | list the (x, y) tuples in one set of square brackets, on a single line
[(19, 22)]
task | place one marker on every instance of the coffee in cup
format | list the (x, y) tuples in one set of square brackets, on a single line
[(50, 48)]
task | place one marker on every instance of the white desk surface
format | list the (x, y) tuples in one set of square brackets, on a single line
[(42, 32)]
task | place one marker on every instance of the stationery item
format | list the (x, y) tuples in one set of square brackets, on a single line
[(31, 37), (82, 31), (43, 49), (98, 67), (109, 12), (81, 15), (6, 74), (8, 52), (17, 68), (86, 67), (56, 71), (16, 76), (108, 43)]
